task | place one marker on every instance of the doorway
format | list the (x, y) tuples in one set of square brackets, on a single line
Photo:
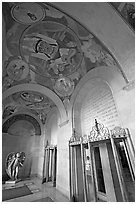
[(49, 165), (127, 169), (101, 170), (98, 177)]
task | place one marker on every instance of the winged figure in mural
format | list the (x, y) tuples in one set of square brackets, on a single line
[(14, 162)]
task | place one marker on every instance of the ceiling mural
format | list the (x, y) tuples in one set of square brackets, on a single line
[(27, 13), (34, 102), (127, 11), (45, 46), (52, 46)]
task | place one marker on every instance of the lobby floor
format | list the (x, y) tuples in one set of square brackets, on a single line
[(40, 192)]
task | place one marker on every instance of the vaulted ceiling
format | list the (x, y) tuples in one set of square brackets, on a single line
[(44, 46)]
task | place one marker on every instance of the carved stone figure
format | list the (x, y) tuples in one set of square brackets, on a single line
[(14, 162)]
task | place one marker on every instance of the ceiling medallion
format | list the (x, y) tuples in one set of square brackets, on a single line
[(51, 49), (31, 97), (27, 13), (17, 69), (32, 100), (64, 86)]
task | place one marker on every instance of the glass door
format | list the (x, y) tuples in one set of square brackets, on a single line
[(77, 187), (102, 181), (90, 173), (127, 169), (101, 171)]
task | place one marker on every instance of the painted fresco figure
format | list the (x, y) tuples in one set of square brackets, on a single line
[(40, 46), (13, 163), (46, 48), (9, 110)]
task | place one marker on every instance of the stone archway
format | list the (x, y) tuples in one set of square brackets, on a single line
[(37, 154), (95, 101), (40, 89), (21, 132), (10, 121), (110, 75)]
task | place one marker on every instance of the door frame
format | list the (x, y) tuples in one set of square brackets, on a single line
[(111, 137), (50, 158)]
